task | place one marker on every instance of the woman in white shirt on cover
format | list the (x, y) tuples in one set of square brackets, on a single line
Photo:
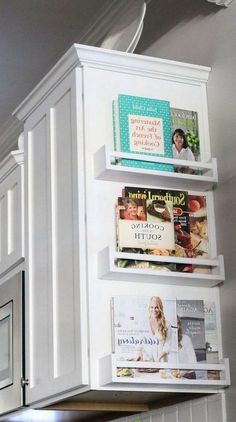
[(181, 150)]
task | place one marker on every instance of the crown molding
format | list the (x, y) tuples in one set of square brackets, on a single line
[(99, 58), (9, 134), (12, 160), (221, 2)]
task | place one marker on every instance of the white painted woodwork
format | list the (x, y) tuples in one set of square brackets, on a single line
[(11, 397), (56, 309), (8, 137), (102, 84), (11, 211), (70, 214), (106, 169), (109, 364), (107, 269), (222, 2)]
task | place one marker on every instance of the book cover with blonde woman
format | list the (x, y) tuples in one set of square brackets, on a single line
[(144, 328)]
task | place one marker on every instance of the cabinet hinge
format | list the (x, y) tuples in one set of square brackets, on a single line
[(24, 382)]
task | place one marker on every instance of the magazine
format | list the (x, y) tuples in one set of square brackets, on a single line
[(142, 126), (191, 335), (187, 120), (153, 329), (212, 354), (197, 205), (185, 138)]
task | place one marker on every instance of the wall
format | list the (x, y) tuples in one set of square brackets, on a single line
[(203, 33), (201, 410)]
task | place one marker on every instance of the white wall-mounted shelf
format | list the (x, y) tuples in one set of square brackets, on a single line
[(106, 168), (107, 269), (142, 380)]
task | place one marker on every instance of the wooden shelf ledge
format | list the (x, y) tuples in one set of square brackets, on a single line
[(106, 168)]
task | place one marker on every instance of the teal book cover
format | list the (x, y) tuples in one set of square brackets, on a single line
[(143, 126)]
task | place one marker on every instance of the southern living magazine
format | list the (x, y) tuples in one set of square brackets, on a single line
[(142, 126), (145, 224), (197, 205)]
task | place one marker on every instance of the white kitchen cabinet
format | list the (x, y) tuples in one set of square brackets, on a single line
[(56, 308), (71, 187)]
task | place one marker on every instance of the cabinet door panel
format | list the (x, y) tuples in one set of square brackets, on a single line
[(11, 212)]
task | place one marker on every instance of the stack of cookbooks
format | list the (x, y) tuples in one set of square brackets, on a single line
[(163, 223), (158, 330)]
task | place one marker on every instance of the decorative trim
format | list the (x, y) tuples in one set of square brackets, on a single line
[(82, 55), (225, 3), (9, 134), (10, 163)]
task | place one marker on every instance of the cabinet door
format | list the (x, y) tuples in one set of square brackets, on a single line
[(11, 344), (56, 316), (11, 212)]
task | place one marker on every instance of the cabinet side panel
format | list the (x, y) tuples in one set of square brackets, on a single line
[(62, 236), (56, 357), (37, 234)]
